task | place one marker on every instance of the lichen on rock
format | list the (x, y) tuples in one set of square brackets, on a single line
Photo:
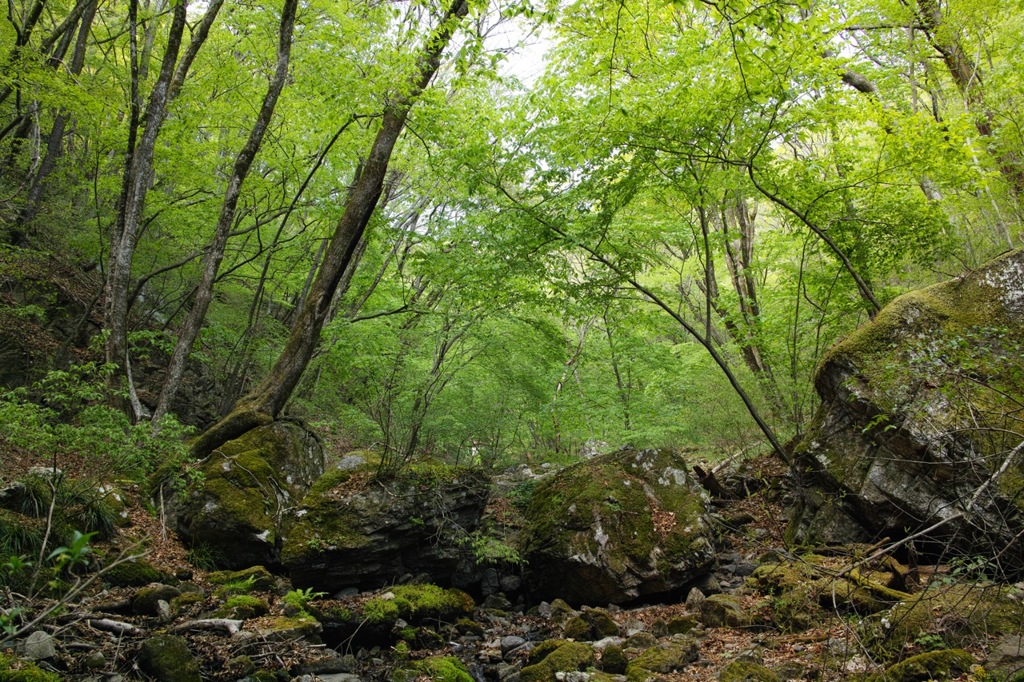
[(918, 423), (616, 528)]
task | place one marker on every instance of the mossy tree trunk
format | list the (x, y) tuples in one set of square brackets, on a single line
[(266, 401)]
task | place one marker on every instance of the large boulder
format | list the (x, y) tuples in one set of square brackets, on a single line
[(919, 425), (355, 530), (616, 528), (237, 505)]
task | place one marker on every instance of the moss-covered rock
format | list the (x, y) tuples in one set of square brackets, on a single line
[(806, 589), (15, 670), (145, 601), (444, 669), (613, 660), (616, 528), (238, 502), (919, 411), (959, 614), (252, 579), (373, 620), (746, 671), (933, 665), (133, 574), (243, 607), (723, 610), (352, 530), (167, 658), (665, 657), (284, 628), (568, 657)]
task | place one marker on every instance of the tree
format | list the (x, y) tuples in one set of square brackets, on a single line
[(267, 400)]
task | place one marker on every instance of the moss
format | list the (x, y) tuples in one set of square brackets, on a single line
[(568, 657), (258, 578), (379, 611), (613, 660), (133, 574), (15, 670), (666, 657), (614, 510), (541, 651), (417, 604), (326, 524), (933, 665), (958, 613), (746, 671), (167, 658), (444, 669), (185, 600), (723, 610), (243, 607), (283, 628)]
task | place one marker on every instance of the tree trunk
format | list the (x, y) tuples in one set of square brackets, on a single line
[(139, 177), (211, 263), (265, 402)]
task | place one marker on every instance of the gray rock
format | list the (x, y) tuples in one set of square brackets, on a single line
[(95, 660), (593, 543), (510, 643), (163, 611), (903, 437), (339, 677), (350, 462), (39, 646), (371, 536)]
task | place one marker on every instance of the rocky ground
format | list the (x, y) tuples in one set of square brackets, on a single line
[(764, 614)]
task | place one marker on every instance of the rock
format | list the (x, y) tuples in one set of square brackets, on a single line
[(246, 485), (163, 611), (254, 578), (135, 573), (1006, 656), (933, 665), (146, 601), (95, 660), (367, 535), (339, 677), (511, 643), (665, 657), (613, 660), (746, 671), (39, 646), (906, 433), (564, 657), (167, 658), (641, 640), (722, 610), (284, 629), (616, 528), (694, 599)]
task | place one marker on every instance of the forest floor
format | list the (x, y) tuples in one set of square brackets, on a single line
[(828, 649)]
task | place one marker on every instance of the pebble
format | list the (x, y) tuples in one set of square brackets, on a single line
[(39, 646), (511, 642)]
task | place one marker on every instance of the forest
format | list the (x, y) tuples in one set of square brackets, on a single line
[(497, 234), (508, 230)]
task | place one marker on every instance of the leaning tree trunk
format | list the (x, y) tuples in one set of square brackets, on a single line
[(211, 263), (266, 401)]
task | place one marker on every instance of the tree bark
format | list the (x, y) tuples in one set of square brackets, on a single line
[(267, 400), (139, 177), (211, 263)]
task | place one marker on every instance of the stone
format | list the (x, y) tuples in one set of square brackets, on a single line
[(511, 643), (563, 657), (616, 528), (694, 599), (167, 658), (238, 503), (722, 610), (747, 671), (369, 535), (95, 660), (146, 601), (39, 646), (934, 665), (905, 437), (665, 657)]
